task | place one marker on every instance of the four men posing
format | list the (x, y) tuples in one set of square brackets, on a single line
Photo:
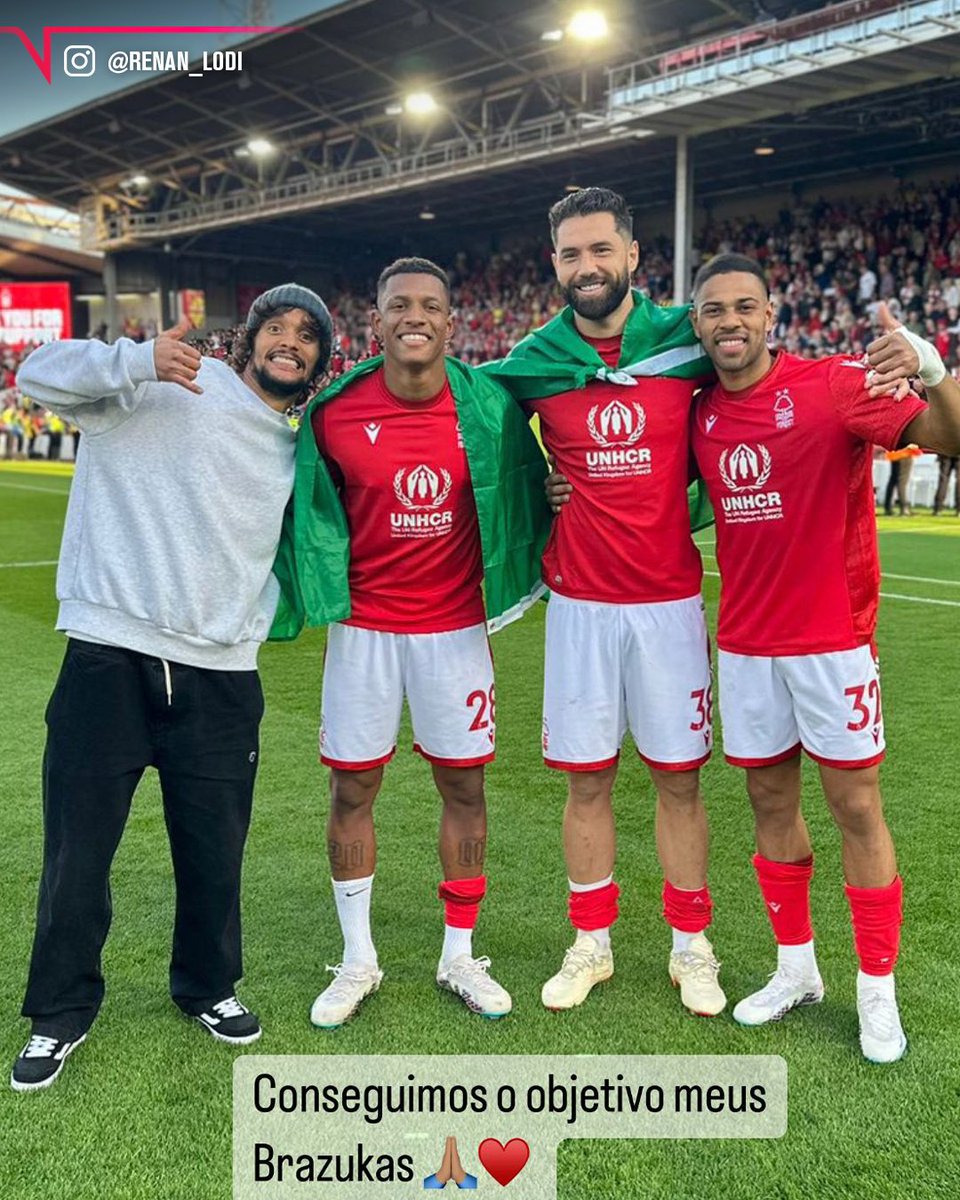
[(417, 481)]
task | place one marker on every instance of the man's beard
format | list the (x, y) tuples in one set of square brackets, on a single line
[(283, 389), (596, 308)]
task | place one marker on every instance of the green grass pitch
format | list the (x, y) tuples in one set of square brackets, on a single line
[(143, 1111)]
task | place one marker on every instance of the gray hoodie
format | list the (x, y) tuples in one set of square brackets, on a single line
[(176, 505)]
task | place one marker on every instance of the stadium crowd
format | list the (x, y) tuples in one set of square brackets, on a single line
[(21, 421), (828, 263)]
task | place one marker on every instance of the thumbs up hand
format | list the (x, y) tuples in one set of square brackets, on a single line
[(174, 359), (893, 357), (885, 318)]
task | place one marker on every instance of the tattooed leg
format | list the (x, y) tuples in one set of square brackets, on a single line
[(463, 824), (351, 841)]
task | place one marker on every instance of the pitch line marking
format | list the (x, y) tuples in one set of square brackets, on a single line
[(29, 487), (34, 487), (891, 575), (920, 599), (890, 596), (921, 579)]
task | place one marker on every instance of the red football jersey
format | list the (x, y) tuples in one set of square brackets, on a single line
[(624, 538), (415, 560), (787, 464)]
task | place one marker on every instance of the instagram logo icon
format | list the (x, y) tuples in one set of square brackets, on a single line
[(79, 61)]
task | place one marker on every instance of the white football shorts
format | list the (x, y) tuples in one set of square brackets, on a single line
[(446, 677), (826, 704), (610, 667)]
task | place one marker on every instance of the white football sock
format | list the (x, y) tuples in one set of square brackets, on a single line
[(877, 983), (590, 887), (352, 898), (600, 936), (456, 941), (681, 939), (799, 958)]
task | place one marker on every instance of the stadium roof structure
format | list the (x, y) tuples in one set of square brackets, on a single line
[(41, 242), (863, 86)]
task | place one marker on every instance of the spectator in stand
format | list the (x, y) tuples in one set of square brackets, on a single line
[(868, 285), (11, 426)]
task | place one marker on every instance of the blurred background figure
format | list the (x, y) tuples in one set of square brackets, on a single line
[(948, 467)]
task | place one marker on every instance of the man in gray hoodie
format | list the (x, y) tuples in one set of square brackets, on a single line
[(165, 588)]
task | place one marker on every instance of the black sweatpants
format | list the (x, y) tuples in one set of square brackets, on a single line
[(113, 713)]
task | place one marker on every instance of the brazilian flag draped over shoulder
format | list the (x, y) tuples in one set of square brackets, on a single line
[(656, 341)]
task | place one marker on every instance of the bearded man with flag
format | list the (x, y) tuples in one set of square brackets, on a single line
[(611, 379), (418, 481)]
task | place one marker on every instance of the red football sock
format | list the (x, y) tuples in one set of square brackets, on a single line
[(688, 911), (596, 909), (786, 892), (461, 900), (877, 915)]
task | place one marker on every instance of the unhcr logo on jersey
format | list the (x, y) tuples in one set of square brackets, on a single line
[(617, 428), (745, 469), (422, 488), (423, 492), (620, 424)]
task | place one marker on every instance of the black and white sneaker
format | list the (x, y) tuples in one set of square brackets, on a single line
[(230, 1021), (41, 1061)]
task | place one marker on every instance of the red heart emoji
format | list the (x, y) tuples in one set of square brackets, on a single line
[(504, 1162)]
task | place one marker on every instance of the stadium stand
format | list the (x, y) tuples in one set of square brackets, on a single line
[(829, 263), (820, 259)]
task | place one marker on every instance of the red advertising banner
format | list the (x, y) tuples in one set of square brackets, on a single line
[(34, 312)]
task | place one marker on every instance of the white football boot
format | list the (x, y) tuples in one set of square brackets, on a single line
[(352, 983), (787, 989), (585, 964), (882, 1039), (467, 978), (695, 972)]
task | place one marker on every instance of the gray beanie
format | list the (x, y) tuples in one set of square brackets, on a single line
[(287, 295), (293, 295)]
